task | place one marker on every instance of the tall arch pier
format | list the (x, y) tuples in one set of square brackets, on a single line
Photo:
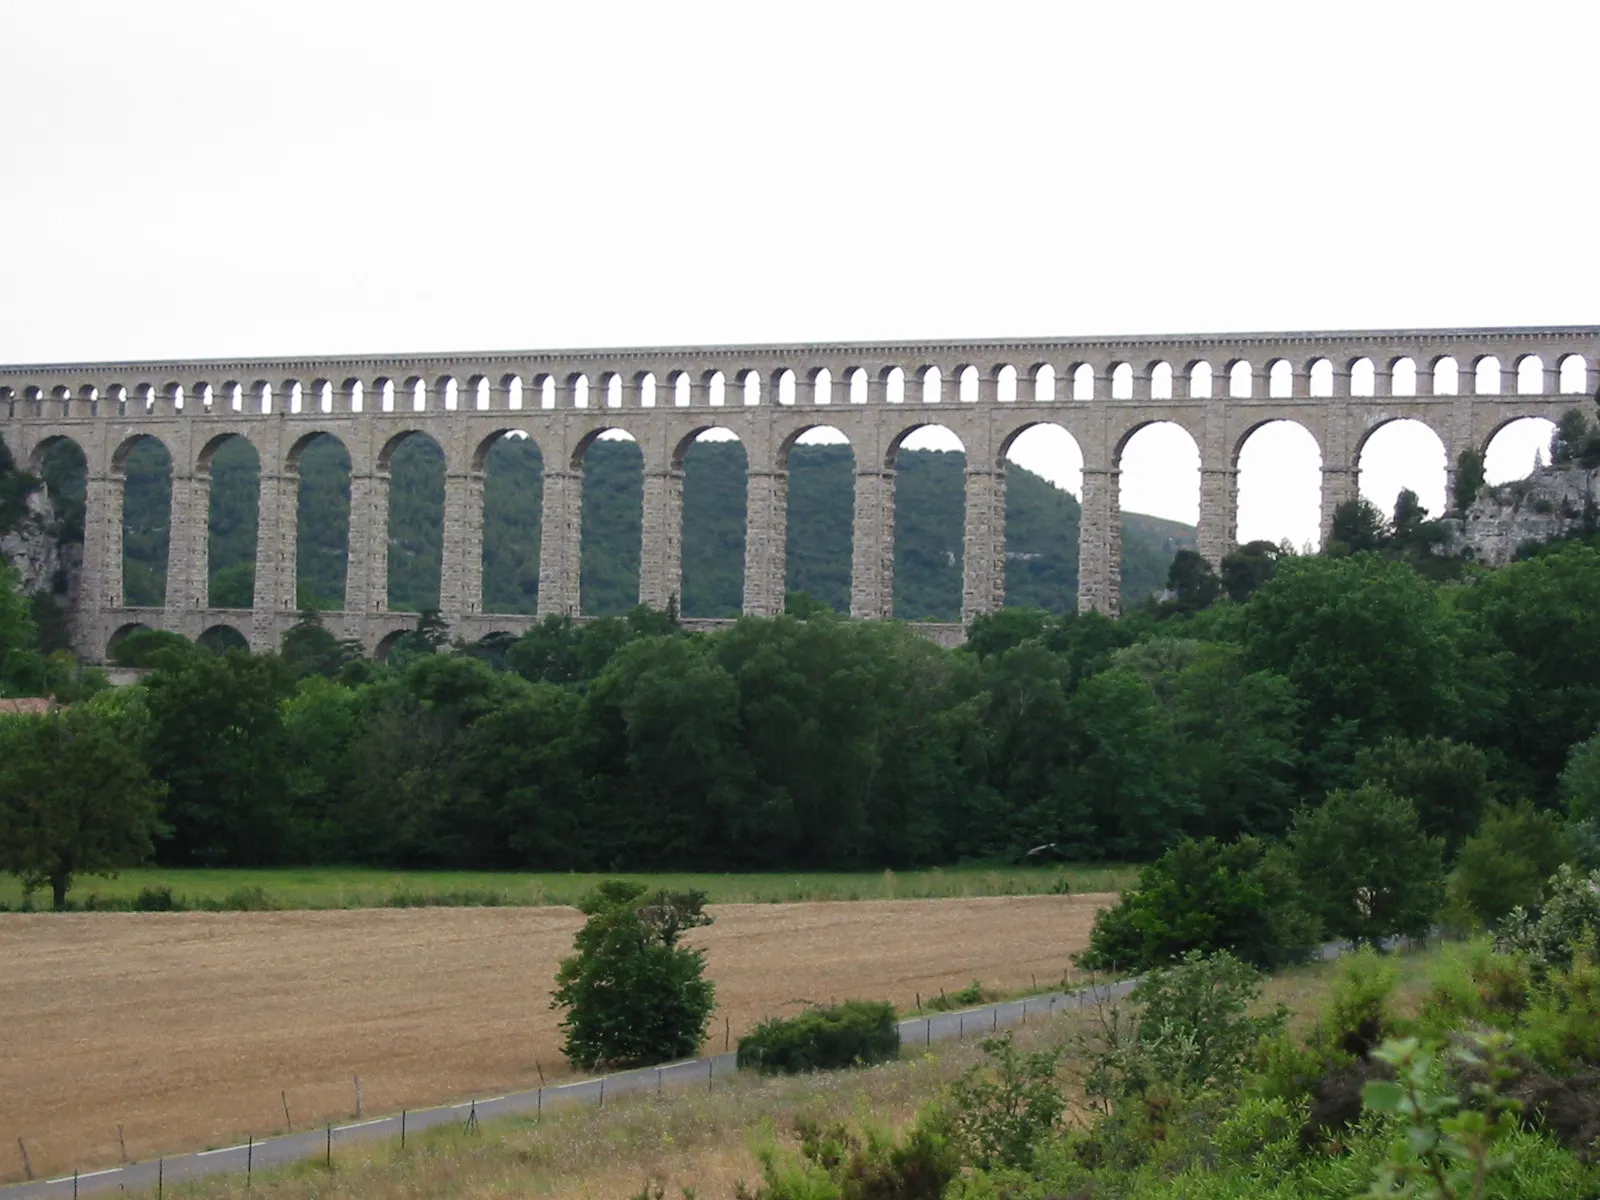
[(1464, 384)]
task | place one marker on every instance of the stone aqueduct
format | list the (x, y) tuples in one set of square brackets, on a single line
[(1464, 384)]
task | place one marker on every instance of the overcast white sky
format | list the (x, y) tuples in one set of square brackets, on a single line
[(212, 179)]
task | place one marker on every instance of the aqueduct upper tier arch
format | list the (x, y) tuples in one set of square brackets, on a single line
[(1463, 383)]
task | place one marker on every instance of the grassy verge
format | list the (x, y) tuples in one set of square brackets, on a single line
[(694, 1143), (355, 887)]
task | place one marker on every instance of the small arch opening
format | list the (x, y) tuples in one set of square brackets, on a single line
[(1280, 380), (1446, 373), (1403, 377), (1240, 380), (1486, 376), (1574, 376), (1161, 381), (1530, 375), (1363, 378)]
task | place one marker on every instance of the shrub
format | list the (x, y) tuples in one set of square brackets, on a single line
[(158, 899), (1206, 896), (632, 994), (1368, 870), (836, 1164), (1358, 1014), (1561, 1029), (967, 997), (998, 1112), (1476, 986), (1569, 917), (1506, 863), (1191, 1030), (854, 1033)]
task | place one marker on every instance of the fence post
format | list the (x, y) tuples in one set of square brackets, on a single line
[(358, 1097), (402, 1129), (161, 1173), (284, 1096), (249, 1160), (327, 1160), (602, 1091), (122, 1145), (961, 1028), (658, 1081)]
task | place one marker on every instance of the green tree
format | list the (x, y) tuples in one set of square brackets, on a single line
[(1247, 568), (215, 739), (1192, 582), (1366, 643), (75, 799), (1238, 734), (308, 648), (1368, 871), (1507, 861), (1357, 526), (1533, 631), (1569, 438), (18, 633), (1446, 781), (1469, 479), (632, 994), (1579, 785)]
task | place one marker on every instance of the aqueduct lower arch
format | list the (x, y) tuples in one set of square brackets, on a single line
[(1339, 386)]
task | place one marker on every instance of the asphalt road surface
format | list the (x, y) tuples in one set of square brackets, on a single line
[(700, 1072)]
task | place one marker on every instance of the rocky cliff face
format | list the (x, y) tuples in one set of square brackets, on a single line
[(34, 547), (1552, 502)]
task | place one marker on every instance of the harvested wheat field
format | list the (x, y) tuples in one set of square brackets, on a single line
[(191, 1029)]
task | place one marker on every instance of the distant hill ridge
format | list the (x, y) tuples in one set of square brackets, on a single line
[(1041, 522)]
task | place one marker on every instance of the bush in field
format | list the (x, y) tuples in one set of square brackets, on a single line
[(854, 1033), (632, 994), (1205, 896), (1367, 869)]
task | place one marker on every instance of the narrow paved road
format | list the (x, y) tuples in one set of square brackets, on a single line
[(699, 1072)]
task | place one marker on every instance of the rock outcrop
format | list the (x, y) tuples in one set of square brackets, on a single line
[(34, 547), (1552, 502)]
